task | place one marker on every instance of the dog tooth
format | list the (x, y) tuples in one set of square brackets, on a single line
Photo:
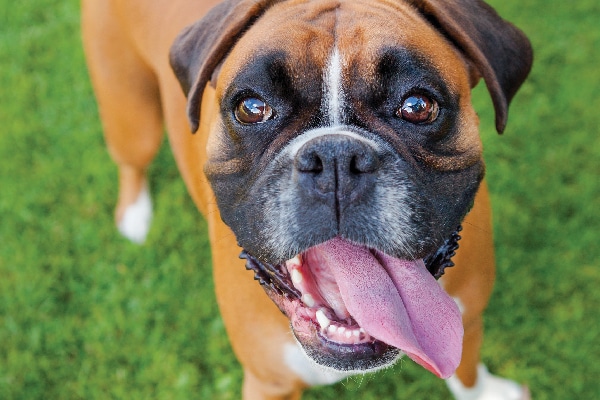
[(348, 334), (332, 329), (356, 333), (297, 276), (322, 319), (341, 329), (296, 261), (308, 300)]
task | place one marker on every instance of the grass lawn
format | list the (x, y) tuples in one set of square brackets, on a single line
[(86, 315)]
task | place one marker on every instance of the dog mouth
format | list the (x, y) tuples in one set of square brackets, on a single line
[(354, 308)]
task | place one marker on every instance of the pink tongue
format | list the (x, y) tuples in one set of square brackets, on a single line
[(399, 303)]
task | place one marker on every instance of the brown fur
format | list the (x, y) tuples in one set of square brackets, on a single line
[(127, 46)]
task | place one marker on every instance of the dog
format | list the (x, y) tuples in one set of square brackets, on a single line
[(333, 149)]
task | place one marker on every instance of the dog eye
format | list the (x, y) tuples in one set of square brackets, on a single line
[(252, 110), (418, 109)]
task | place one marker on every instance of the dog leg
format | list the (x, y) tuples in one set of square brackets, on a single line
[(473, 381), (488, 387), (133, 219), (259, 333), (475, 260), (130, 110), (255, 389)]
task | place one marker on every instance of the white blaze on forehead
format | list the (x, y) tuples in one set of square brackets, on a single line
[(333, 96)]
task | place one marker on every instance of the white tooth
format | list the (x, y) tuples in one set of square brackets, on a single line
[(341, 329), (332, 329), (348, 334), (308, 300), (322, 319), (297, 276), (361, 330), (295, 261), (356, 333)]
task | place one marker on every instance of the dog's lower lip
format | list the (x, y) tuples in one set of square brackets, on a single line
[(372, 346), (438, 261), (269, 276), (352, 353)]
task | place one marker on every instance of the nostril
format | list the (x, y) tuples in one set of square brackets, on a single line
[(354, 166), (364, 162), (310, 163), (318, 166)]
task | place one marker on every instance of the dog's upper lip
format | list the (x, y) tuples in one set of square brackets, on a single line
[(277, 278)]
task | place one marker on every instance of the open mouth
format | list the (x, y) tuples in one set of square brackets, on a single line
[(356, 308)]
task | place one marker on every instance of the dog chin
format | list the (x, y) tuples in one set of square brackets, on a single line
[(340, 347)]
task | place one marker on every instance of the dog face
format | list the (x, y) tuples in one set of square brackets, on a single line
[(345, 153)]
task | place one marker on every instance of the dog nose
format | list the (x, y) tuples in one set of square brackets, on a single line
[(336, 167)]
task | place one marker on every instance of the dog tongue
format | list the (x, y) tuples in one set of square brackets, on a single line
[(399, 303)]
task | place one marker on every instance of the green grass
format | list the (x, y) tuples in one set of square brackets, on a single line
[(86, 315)]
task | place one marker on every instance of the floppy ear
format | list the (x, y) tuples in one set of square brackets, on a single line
[(498, 51), (200, 47)]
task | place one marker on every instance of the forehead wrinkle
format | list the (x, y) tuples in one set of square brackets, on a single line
[(286, 26), (397, 24)]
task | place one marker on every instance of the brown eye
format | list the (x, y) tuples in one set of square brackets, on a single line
[(418, 109), (252, 110)]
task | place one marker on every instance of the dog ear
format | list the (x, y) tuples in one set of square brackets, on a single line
[(497, 50), (199, 48)]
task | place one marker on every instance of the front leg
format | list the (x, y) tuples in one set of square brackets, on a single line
[(470, 283), (259, 333)]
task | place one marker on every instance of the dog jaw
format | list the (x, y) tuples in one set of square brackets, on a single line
[(354, 308)]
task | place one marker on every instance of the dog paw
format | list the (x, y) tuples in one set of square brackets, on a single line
[(135, 223), (488, 387)]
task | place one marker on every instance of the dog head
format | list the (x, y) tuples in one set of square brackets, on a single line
[(346, 153)]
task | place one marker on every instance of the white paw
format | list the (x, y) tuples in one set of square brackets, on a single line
[(487, 387), (135, 223)]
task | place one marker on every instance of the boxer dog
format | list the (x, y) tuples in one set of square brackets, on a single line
[(336, 153)]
